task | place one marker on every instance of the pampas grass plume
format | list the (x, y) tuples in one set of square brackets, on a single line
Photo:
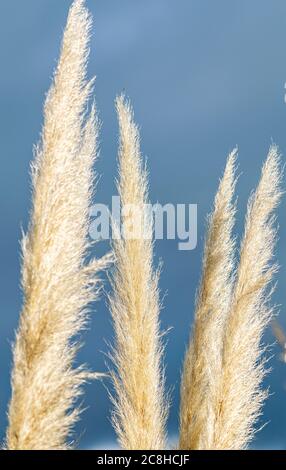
[(140, 410), (203, 358), (241, 397), (57, 284), (221, 395)]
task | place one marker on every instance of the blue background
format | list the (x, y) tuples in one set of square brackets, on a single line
[(203, 77)]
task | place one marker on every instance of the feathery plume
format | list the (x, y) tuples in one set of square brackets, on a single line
[(57, 284), (140, 411), (202, 364), (240, 397)]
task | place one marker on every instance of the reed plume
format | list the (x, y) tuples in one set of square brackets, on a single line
[(240, 397), (57, 283), (202, 363), (140, 410)]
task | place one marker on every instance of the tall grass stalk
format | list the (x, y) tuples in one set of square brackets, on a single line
[(57, 283), (140, 410), (203, 360), (222, 397), (240, 397)]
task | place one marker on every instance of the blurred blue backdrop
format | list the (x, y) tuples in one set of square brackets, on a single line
[(203, 76)]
